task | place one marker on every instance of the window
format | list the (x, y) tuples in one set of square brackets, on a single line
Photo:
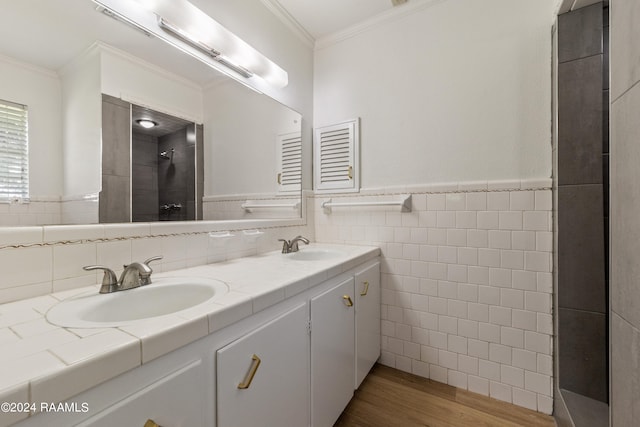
[(14, 154)]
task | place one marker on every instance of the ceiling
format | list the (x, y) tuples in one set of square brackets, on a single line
[(50, 34), (323, 17)]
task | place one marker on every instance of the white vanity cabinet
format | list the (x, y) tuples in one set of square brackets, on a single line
[(367, 304), (175, 400), (332, 353), (262, 378)]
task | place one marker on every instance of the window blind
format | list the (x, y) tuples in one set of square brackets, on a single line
[(14, 151)]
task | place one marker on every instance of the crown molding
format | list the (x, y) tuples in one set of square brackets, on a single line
[(290, 22), (380, 19), (30, 67)]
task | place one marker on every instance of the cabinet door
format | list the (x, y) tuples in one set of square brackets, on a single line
[(332, 353), (263, 377), (367, 320), (174, 401)]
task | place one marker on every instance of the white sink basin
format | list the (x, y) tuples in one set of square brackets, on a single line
[(164, 296), (314, 254)]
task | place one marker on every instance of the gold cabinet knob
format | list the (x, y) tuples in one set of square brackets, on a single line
[(151, 423), (347, 300), (366, 289)]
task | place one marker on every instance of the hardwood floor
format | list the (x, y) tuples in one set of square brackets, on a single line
[(390, 398)]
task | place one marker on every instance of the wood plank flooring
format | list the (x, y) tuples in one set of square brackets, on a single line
[(390, 398)]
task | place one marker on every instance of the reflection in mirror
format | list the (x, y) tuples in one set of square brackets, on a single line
[(89, 54)]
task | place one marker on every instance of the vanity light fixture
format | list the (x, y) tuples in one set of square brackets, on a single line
[(190, 29), (147, 124), (187, 38)]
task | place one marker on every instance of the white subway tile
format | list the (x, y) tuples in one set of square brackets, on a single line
[(545, 323), (403, 332), (419, 268), (25, 266), (419, 302), (513, 298), (447, 254), (429, 321), (468, 364), (523, 240), (428, 253), (538, 302), (512, 337), (538, 383), (447, 324), (500, 315), (438, 340), (524, 359), (468, 328), (543, 200), (525, 320), (446, 219), (536, 221), (429, 354), (499, 239), (420, 336), (521, 200), (419, 235), (540, 343), (419, 202), (427, 219), (489, 257), (437, 271), (468, 292), (500, 353), (477, 348), (436, 202), (403, 363), (429, 287), (410, 284), (525, 398), (478, 275), (545, 282), (411, 251), (545, 404), (512, 376), (478, 385), (412, 350), (388, 328), (544, 241), (489, 370), (512, 259), (526, 280), (436, 236), (545, 364), (537, 261), (456, 201), (457, 379), (509, 220), (448, 359), (488, 332), (468, 256), (393, 219), (411, 317), (477, 238), (402, 235), (477, 201), (457, 344), (466, 219), (479, 312), (498, 201), (489, 295), (457, 273), (457, 237), (410, 219), (500, 391), (438, 373), (500, 277), (420, 368), (457, 309), (488, 220), (437, 305)]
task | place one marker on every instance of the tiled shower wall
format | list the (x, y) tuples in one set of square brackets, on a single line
[(466, 282)]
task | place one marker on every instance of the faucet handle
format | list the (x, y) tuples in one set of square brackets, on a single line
[(109, 280), (153, 258), (286, 246)]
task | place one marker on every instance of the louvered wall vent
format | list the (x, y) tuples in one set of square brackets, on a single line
[(336, 158), (289, 149)]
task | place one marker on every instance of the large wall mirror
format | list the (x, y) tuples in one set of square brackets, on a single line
[(67, 64)]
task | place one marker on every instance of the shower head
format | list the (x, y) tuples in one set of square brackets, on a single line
[(165, 155)]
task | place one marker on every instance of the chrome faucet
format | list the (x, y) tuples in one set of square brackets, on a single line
[(289, 246), (134, 275)]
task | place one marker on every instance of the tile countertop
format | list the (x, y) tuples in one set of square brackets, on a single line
[(41, 362)]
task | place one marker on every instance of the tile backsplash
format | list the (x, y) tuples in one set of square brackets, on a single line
[(466, 282), (40, 260)]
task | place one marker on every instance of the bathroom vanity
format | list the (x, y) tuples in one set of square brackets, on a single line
[(285, 346)]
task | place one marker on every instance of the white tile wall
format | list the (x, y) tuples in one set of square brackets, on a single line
[(466, 278)]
